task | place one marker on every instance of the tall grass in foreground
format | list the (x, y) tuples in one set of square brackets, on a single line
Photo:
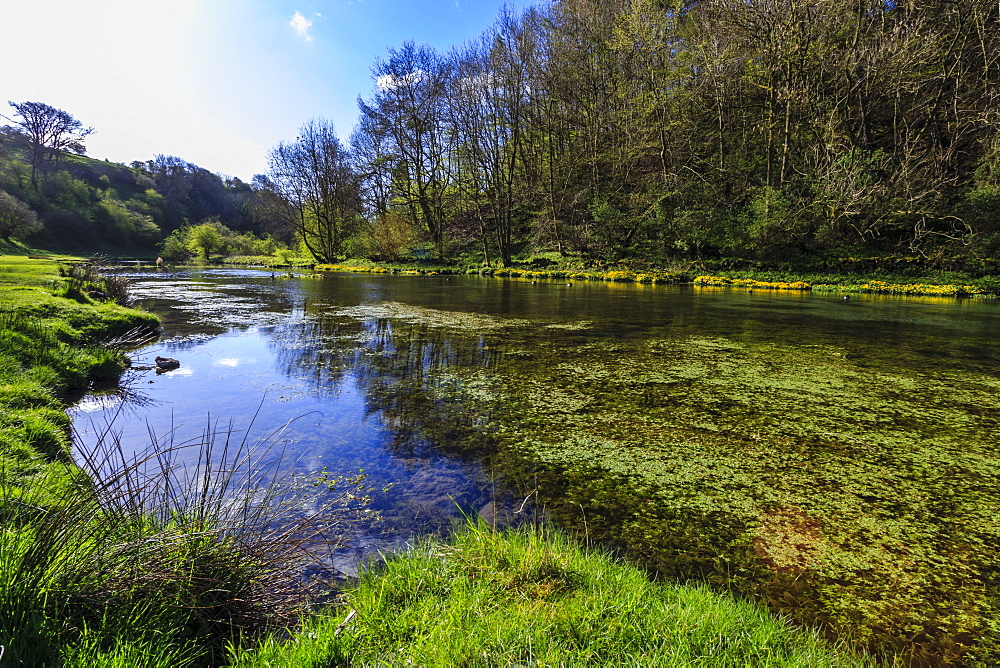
[(147, 560), (534, 597)]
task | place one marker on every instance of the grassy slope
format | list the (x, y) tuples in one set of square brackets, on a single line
[(50, 346), (535, 598)]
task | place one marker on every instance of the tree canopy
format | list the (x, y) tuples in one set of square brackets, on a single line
[(658, 130)]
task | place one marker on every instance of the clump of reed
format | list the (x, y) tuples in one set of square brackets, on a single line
[(95, 279), (167, 555)]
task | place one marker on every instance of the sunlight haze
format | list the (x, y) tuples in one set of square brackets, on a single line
[(215, 83)]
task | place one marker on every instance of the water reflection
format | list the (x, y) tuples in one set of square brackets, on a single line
[(401, 376), (355, 393)]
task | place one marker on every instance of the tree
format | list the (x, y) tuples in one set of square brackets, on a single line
[(205, 238), (488, 105), (405, 119), (315, 175), (271, 213), (17, 219), (50, 131)]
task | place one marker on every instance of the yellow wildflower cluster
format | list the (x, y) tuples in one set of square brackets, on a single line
[(921, 289), (514, 272), (618, 276), (344, 267), (751, 284)]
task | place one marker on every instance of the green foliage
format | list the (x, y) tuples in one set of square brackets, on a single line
[(17, 219), (661, 132), (771, 217), (175, 246), (87, 205), (207, 238), (126, 222), (204, 239)]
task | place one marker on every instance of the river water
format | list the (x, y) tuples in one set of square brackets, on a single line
[(784, 417)]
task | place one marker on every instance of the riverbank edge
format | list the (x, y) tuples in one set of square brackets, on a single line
[(935, 284), (33, 284), (535, 595), (53, 346)]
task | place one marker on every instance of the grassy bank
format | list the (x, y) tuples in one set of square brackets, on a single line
[(534, 597), (898, 276), (122, 559), (927, 282), (284, 260), (50, 347)]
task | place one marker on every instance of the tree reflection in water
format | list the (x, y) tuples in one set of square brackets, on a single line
[(414, 379)]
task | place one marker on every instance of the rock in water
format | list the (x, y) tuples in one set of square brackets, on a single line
[(166, 363)]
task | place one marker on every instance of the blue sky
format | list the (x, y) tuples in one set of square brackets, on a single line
[(215, 82)]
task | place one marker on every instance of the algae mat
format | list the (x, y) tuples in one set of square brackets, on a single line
[(842, 488)]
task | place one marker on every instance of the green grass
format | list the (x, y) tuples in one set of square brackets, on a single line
[(535, 597), (50, 346), (115, 560), (135, 571), (268, 261)]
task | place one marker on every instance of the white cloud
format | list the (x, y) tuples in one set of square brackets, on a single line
[(301, 26), (392, 81)]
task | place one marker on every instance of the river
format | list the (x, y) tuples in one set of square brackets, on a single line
[(834, 457)]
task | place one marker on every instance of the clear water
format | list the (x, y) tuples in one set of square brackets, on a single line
[(859, 415)]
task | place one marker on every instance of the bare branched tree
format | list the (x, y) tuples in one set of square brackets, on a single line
[(50, 132), (316, 176)]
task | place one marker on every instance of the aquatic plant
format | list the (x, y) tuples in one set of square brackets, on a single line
[(850, 490), (921, 289)]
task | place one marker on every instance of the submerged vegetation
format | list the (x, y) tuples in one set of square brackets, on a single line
[(832, 459), (844, 485)]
